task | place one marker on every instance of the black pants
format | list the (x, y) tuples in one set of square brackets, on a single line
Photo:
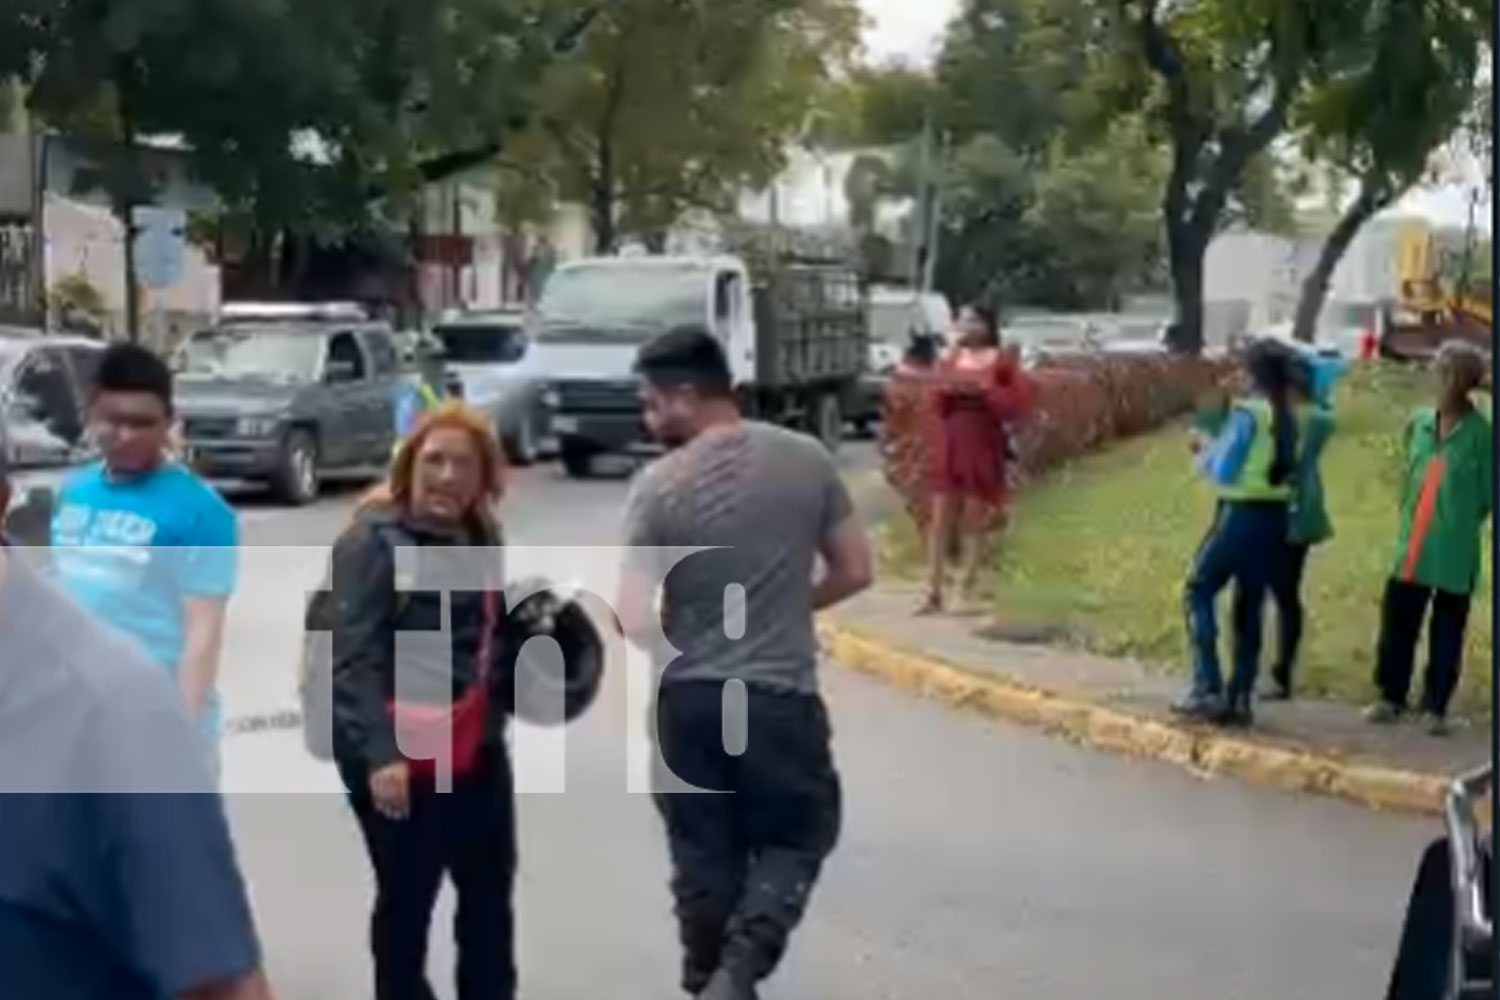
[(1286, 590), (467, 833), (744, 863), (1401, 616)]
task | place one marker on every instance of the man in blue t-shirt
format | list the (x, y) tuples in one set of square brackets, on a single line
[(118, 878), (142, 542)]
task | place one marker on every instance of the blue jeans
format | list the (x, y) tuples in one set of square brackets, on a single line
[(1242, 547)]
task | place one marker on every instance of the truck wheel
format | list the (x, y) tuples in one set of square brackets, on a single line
[(520, 447), (828, 420), (577, 460), (296, 479)]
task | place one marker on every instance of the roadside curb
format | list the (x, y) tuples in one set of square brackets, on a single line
[(1090, 724)]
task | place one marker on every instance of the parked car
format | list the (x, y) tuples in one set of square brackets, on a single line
[(491, 357), (1037, 336), (288, 403), (44, 387), (1127, 334)]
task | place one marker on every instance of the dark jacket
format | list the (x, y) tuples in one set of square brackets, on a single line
[(373, 602)]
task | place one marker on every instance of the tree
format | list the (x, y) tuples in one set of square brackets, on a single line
[(1094, 215), (677, 105), (875, 106), (1220, 77), (391, 89), (1000, 74), (1392, 94)]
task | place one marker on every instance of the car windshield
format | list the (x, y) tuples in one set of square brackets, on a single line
[(621, 302), (474, 343), (275, 355)]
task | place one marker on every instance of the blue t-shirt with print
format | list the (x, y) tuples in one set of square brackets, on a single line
[(131, 551)]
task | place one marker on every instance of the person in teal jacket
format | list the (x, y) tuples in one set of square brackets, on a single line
[(1313, 379), (1252, 465)]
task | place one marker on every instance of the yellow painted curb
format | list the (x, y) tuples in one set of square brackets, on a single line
[(1108, 729)]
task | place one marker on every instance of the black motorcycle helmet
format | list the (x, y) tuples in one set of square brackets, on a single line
[(546, 689)]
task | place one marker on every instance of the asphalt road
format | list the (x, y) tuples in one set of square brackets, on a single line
[(978, 860)]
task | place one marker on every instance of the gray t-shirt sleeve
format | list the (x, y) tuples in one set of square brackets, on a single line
[(837, 505), (163, 884), (643, 528)]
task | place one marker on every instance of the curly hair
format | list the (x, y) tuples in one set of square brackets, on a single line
[(396, 490)]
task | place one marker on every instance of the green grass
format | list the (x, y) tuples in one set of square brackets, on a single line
[(1103, 546)]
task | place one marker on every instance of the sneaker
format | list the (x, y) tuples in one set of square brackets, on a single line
[(1237, 713), (1383, 713), (1200, 707), (1436, 725)]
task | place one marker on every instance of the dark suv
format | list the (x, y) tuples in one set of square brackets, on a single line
[(288, 403)]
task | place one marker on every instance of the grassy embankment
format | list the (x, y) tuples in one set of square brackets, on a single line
[(1101, 548)]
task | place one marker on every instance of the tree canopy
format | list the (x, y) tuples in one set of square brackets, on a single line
[(676, 105), (1382, 102), (300, 115)]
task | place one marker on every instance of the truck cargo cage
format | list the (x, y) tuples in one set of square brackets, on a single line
[(810, 325)]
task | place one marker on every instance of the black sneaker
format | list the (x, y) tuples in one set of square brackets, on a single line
[(1199, 707), (1237, 713)]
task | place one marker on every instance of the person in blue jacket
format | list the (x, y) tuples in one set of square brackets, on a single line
[(1252, 465)]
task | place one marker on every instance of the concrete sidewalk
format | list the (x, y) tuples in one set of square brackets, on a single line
[(1122, 706)]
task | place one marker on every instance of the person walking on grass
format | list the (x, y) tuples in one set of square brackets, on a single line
[(1313, 378), (771, 503), (1252, 463), (1447, 496)]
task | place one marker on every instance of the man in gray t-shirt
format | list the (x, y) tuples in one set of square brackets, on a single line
[(766, 503)]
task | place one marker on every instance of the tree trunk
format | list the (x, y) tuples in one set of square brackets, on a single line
[(602, 208), (1372, 198), (1193, 218), (1186, 250)]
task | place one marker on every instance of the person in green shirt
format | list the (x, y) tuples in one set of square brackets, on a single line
[(1308, 523), (1446, 499)]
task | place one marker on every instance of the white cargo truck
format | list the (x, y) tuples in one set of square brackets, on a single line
[(794, 331)]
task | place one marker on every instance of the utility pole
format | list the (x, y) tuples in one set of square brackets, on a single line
[(935, 217), (922, 213)]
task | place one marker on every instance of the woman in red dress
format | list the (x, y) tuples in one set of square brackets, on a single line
[(979, 393)]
